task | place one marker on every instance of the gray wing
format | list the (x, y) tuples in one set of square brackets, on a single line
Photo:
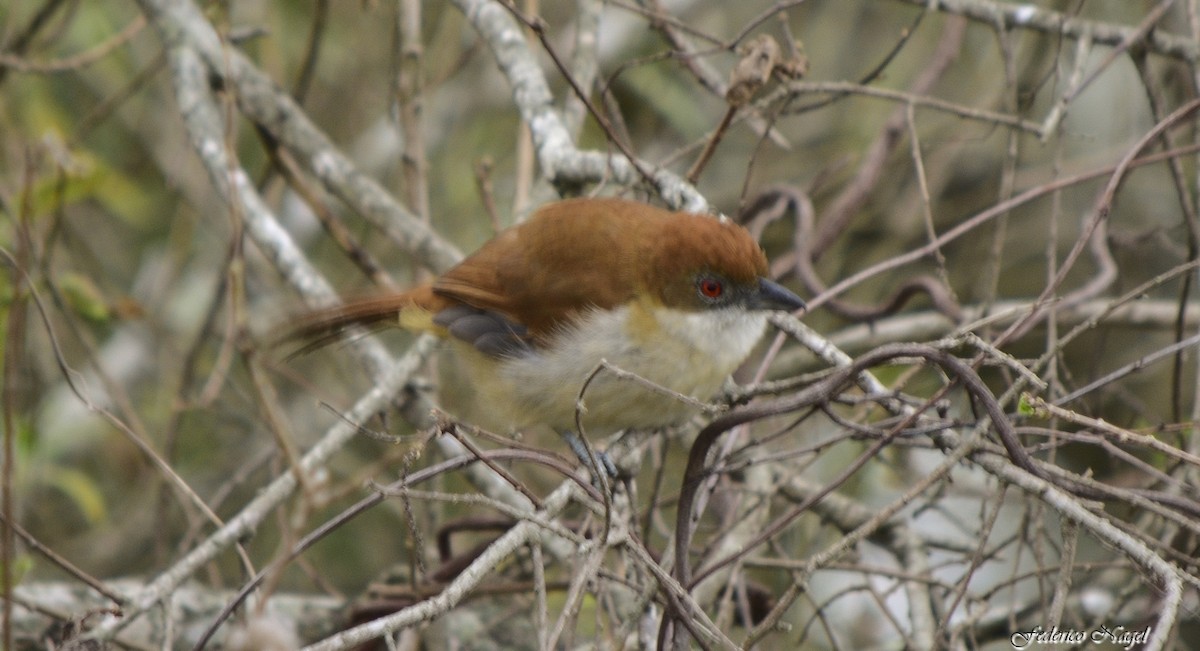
[(491, 333)]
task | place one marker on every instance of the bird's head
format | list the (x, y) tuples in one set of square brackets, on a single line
[(697, 263)]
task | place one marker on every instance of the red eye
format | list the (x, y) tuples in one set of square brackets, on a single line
[(711, 288)]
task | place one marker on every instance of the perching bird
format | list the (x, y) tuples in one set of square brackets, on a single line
[(676, 298)]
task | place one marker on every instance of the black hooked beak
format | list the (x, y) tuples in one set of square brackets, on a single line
[(773, 296)]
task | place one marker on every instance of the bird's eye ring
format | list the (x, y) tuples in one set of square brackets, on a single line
[(711, 288)]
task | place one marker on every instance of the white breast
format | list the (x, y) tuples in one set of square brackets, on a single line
[(687, 352)]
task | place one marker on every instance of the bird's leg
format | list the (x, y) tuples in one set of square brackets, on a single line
[(581, 452)]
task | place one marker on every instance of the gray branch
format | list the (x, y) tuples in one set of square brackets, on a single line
[(560, 160), (1030, 16)]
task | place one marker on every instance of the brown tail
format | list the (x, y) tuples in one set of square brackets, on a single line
[(323, 327)]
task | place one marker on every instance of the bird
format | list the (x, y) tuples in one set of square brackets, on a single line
[(677, 299)]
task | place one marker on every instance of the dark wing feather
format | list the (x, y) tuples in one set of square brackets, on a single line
[(488, 332)]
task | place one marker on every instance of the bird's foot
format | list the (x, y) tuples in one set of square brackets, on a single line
[(581, 452)]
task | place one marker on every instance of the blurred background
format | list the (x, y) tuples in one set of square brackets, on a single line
[(888, 122)]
